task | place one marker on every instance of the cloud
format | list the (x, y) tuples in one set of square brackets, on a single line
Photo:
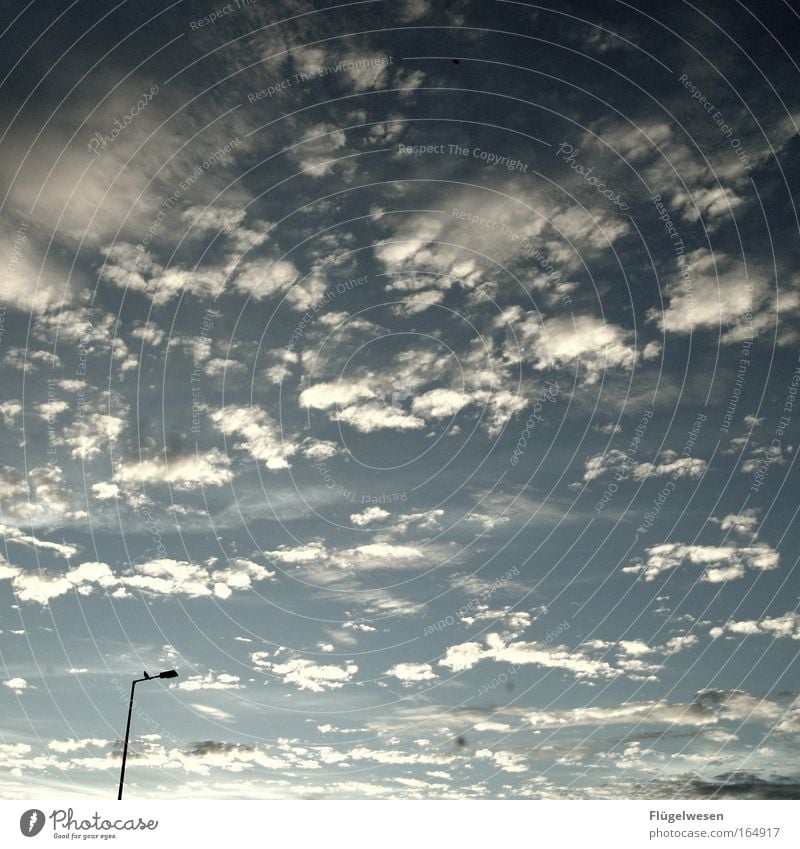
[(605, 463), (466, 655), (173, 577), (211, 681), (223, 366), (313, 552), (15, 535), (744, 523), (733, 785), (619, 463), (368, 516), (440, 403), (593, 344), (676, 467), (653, 712), (412, 673), (305, 674), (160, 577), (486, 520), (263, 278), (133, 267), (719, 562), (184, 473), (63, 747), (514, 621), (259, 435), (90, 434), (371, 417), (104, 491), (17, 685), (777, 627), (379, 555), (324, 396), (40, 588), (10, 411), (212, 713), (714, 292), (418, 302), (389, 756), (33, 279), (506, 761), (38, 499), (412, 10)]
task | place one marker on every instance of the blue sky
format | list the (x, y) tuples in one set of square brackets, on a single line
[(419, 381)]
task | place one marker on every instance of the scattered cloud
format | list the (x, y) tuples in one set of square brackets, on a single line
[(719, 562)]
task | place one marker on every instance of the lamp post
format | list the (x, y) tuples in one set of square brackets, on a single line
[(170, 673)]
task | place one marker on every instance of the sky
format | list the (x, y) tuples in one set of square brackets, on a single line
[(419, 380)]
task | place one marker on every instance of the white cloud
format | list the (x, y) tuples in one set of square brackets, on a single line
[(379, 555), (161, 577), (318, 149), (10, 410), (507, 761), (15, 535), (312, 552), (104, 491), (463, 656), (259, 435), (368, 516), (324, 396), (319, 449), (618, 462), (412, 10), (654, 712), (262, 278), (36, 499), (134, 267), (412, 673), (371, 417), (467, 655), (31, 280), (17, 685), (717, 294), (720, 562), (605, 463), (711, 204), (305, 674), (785, 626), (418, 302), (174, 577), (596, 345), (64, 747), (388, 756), (90, 434), (511, 620), (677, 467), (440, 403), (744, 523), (216, 714), (219, 366), (211, 681), (487, 520), (184, 473), (40, 588)]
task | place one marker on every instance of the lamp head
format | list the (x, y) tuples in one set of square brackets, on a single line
[(170, 673)]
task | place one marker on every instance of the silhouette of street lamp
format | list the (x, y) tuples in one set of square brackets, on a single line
[(170, 673)]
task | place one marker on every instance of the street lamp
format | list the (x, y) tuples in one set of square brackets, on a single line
[(170, 673)]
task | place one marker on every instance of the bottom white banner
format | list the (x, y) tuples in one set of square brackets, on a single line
[(384, 824)]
